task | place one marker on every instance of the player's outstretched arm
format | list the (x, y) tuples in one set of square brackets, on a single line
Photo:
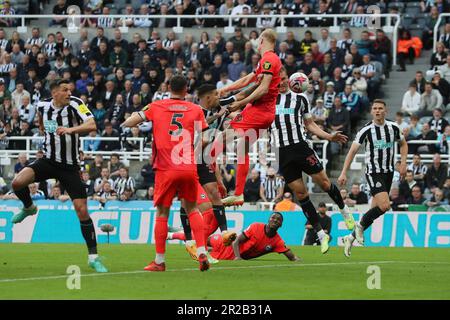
[(291, 256), (133, 120), (342, 180), (312, 127), (238, 84), (261, 90), (87, 126)]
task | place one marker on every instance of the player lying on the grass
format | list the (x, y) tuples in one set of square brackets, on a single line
[(175, 121), (209, 222), (257, 240), (62, 118), (258, 109), (379, 137), (296, 155)]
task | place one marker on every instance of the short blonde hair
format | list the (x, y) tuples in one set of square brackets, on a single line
[(269, 35)]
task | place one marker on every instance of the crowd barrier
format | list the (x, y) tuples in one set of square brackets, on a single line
[(134, 222)]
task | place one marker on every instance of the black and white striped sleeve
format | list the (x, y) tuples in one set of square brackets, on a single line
[(81, 109), (398, 134), (362, 134)]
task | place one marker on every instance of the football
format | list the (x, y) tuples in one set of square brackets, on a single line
[(298, 82)]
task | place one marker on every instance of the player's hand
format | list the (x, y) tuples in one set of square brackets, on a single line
[(342, 180), (402, 170), (221, 93), (235, 106), (62, 130), (339, 137), (222, 111)]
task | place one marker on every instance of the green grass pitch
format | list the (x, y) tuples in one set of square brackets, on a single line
[(38, 271)]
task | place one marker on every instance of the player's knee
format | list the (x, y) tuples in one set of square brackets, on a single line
[(18, 184), (81, 209), (325, 184), (385, 206)]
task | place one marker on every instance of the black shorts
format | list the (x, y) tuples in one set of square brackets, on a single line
[(205, 175), (67, 175), (296, 159), (379, 182)]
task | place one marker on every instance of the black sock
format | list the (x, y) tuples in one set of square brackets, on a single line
[(24, 196), (311, 214), (370, 216), (88, 231), (335, 194), (219, 213), (185, 223)]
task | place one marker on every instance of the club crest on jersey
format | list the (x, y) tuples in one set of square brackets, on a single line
[(268, 248), (202, 196), (267, 65), (50, 126), (238, 118)]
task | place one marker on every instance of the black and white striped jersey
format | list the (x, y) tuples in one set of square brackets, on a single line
[(106, 22), (420, 169), (291, 111), (123, 183), (32, 41), (379, 143), (367, 68), (62, 148), (271, 187), (51, 49)]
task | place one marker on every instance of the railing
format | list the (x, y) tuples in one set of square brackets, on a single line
[(436, 28), (374, 22), (144, 153)]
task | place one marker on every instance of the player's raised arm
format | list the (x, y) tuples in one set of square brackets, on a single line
[(342, 180), (238, 84), (261, 90), (312, 127), (403, 156), (134, 119)]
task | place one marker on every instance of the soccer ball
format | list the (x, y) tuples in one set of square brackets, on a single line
[(298, 82)]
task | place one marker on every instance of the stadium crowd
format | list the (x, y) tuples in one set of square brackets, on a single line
[(115, 77)]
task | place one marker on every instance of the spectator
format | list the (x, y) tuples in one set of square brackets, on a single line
[(7, 11), (426, 134), (399, 119), (110, 132), (57, 195), (358, 83), (35, 193), (445, 69), (416, 196), (104, 178), (148, 174), (405, 50), (438, 59), (430, 22), (407, 184), (420, 82), (311, 237), (127, 195), (252, 187), (356, 196), (59, 9), (382, 51), (430, 100), (324, 41), (92, 144), (442, 86), (419, 169), (235, 67), (437, 174), (88, 184), (396, 199), (228, 173), (124, 181), (114, 166), (106, 194), (308, 64), (411, 100), (438, 122), (352, 103), (444, 141), (286, 204), (150, 193), (319, 112), (437, 200), (96, 168), (272, 187), (22, 162)]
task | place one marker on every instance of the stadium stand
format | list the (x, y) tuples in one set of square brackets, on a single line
[(116, 73)]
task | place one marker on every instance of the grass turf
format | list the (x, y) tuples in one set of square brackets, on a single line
[(406, 273)]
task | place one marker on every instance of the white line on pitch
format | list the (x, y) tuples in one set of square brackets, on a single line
[(292, 265)]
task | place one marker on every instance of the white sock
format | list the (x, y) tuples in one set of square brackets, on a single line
[(92, 257), (351, 238), (160, 258), (169, 235), (190, 243), (201, 250), (321, 234)]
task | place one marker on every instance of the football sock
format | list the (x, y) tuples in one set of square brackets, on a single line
[(196, 222), (311, 214), (241, 175), (219, 213), (92, 257), (88, 232), (161, 229), (160, 258), (178, 236), (370, 216), (24, 196), (321, 234), (335, 194), (351, 237), (185, 223), (201, 250)]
